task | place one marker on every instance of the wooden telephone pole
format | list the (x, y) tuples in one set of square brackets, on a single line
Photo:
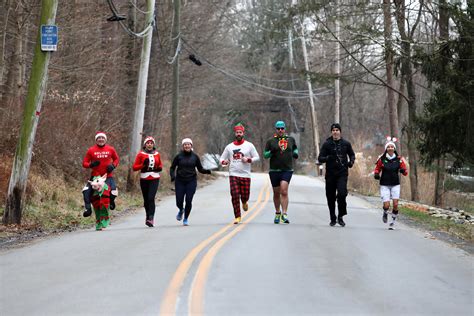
[(34, 99)]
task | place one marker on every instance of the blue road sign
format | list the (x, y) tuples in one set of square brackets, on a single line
[(49, 38)]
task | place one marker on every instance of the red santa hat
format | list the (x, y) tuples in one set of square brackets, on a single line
[(148, 139), (99, 134)]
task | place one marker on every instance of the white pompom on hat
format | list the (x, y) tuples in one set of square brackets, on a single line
[(99, 134), (148, 139), (391, 141), (187, 140)]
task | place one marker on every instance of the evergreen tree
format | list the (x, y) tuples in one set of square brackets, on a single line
[(447, 122)]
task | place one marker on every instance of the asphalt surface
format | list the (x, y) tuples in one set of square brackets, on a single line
[(213, 267)]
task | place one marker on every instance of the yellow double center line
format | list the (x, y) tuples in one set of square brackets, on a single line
[(196, 296)]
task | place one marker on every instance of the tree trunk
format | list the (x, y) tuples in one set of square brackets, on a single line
[(36, 89), (411, 133), (14, 64), (440, 163), (392, 109), (407, 75), (141, 92), (439, 182), (401, 116), (3, 26)]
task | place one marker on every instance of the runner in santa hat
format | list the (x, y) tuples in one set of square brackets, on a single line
[(101, 159), (148, 162)]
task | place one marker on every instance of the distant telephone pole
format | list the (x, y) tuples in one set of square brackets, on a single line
[(314, 118), (337, 70), (175, 98)]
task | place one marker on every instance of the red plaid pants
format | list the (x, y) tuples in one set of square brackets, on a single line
[(239, 191)]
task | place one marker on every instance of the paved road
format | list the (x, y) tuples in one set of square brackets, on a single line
[(256, 268)]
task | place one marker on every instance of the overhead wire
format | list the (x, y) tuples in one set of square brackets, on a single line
[(143, 33), (302, 94), (132, 2)]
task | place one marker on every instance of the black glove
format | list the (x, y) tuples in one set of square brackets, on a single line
[(87, 213), (376, 176), (402, 171), (110, 168), (295, 155), (94, 164), (172, 178), (350, 164), (157, 169), (207, 171)]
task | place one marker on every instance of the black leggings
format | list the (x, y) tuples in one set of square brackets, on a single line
[(185, 188), (149, 188)]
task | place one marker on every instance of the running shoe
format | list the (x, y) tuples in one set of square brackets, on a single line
[(391, 226), (385, 216), (341, 222), (245, 206), (179, 216), (285, 219), (277, 218), (185, 222), (332, 223), (237, 220), (149, 223)]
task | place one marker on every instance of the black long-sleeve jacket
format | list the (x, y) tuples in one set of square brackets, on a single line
[(338, 156), (187, 163)]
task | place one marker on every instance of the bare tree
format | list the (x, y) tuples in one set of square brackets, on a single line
[(389, 54), (406, 35)]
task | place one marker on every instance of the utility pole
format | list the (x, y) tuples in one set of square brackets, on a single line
[(141, 90), (34, 99), (314, 118), (175, 103), (291, 66), (337, 70)]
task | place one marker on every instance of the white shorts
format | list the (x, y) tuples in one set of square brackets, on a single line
[(389, 192)]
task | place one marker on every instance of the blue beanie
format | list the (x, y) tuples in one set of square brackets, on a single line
[(280, 124)]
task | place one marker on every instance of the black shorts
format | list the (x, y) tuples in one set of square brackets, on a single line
[(277, 176)]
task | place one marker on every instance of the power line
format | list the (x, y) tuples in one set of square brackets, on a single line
[(115, 13), (255, 86)]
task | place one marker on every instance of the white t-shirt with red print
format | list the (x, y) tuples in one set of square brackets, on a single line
[(234, 153)]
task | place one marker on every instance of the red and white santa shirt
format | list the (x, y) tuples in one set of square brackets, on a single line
[(155, 165)]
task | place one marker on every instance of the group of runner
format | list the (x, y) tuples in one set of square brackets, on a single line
[(238, 156)]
